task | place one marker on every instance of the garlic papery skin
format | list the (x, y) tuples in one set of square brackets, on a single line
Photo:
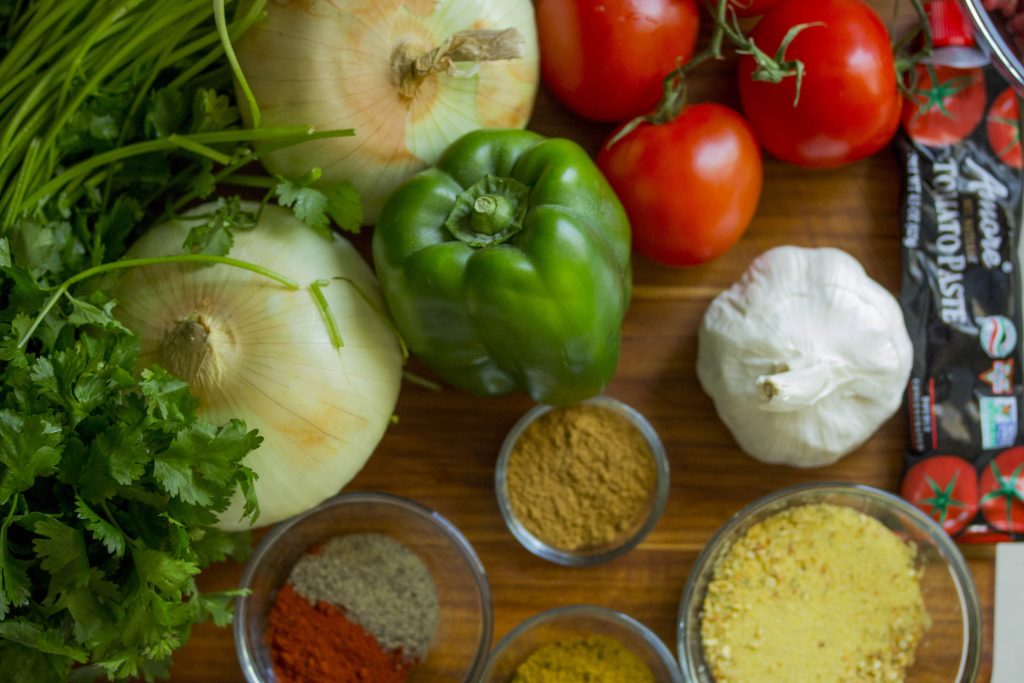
[(255, 350), (349, 64), (804, 357)]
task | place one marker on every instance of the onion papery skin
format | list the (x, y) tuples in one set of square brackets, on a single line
[(329, 64), (321, 410)]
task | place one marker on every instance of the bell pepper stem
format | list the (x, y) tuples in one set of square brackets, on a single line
[(492, 213)]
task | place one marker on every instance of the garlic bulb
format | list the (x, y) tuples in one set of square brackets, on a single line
[(805, 357), (410, 76), (252, 349)]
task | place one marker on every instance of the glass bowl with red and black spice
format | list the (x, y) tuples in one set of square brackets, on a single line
[(830, 582), (582, 484), (365, 587)]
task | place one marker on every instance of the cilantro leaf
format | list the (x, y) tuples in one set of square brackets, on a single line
[(29, 448), (344, 207), (165, 113), (316, 208), (212, 111), (126, 453), (85, 313), (308, 204), (204, 480), (214, 234), (29, 665), (103, 531), (33, 635), (14, 583), (62, 549), (167, 397)]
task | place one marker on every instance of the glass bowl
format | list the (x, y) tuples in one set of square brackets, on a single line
[(1004, 48), (575, 621), (949, 652), (464, 632), (630, 538)]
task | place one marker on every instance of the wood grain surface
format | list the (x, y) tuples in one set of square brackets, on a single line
[(442, 451)]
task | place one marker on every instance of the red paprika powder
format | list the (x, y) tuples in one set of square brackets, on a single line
[(318, 644)]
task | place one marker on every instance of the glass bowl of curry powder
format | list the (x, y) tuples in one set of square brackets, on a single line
[(581, 642), (582, 484)]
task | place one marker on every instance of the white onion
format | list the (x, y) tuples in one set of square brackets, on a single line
[(252, 349), (332, 64)]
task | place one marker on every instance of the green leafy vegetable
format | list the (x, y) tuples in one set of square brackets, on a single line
[(113, 114), (109, 489)]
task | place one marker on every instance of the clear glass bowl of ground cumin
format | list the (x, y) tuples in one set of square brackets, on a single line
[(583, 484), (336, 549), (581, 642), (818, 578)]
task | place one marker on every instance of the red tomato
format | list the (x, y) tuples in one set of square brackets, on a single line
[(849, 105), (945, 488), (944, 112), (690, 186), (1003, 128), (606, 60), (752, 8), (1002, 489)]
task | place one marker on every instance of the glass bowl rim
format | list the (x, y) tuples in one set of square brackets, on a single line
[(969, 601), (246, 657), (992, 42), (599, 612), (565, 557)]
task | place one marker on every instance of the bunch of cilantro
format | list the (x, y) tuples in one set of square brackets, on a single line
[(115, 114)]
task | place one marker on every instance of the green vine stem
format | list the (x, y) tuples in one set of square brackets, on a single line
[(62, 289), (906, 74), (771, 68)]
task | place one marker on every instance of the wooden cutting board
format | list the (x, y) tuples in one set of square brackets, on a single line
[(442, 451)]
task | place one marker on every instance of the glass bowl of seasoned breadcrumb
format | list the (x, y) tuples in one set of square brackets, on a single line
[(832, 582)]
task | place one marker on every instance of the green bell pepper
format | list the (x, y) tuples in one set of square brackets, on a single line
[(507, 266)]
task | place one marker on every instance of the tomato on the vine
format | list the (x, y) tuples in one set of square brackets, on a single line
[(1002, 491), (945, 110), (849, 104), (752, 8), (945, 488), (1003, 128), (606, 60), (689, 186)]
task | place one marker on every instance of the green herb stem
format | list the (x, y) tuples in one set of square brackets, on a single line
[(198, 148), (291, 134), (316, 290), (242, 180), (63, 288), (229, 52)]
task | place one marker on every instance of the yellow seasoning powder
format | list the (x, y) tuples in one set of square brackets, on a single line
[(814, 594), (590, 659), (580, 477)]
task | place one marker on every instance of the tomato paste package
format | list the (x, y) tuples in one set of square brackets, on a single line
[(961, 297)]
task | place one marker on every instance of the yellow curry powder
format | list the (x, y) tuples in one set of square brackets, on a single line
[(591, 659), (815, 594), (580, 476)]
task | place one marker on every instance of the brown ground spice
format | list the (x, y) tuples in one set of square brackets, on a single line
[(580, 477), (815, 594)]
